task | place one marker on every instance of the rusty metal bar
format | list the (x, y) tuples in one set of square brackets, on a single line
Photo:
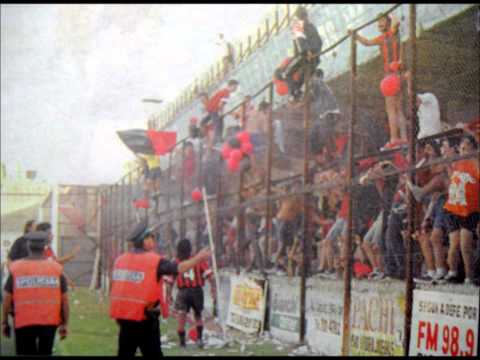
[(347, 254), (199, 204), (240, 211), (325, 186), (182, 195), (218, 216), (268, 179), (171, 248), (130, 196), (306, 179), (412, 134), (277, 22)]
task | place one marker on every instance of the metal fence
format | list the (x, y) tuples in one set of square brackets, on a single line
[(329, 159)]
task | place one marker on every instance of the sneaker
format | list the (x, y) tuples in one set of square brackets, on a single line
[(373, 274), (424, 279), (329, 274), (281, 272), (200, 344), (439, 277), (379, 276), (451, 278), (468, 282)]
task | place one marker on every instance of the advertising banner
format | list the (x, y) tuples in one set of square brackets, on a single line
[(324, 314), (285, 309), (377, 320), (444, 324), (246, 310)]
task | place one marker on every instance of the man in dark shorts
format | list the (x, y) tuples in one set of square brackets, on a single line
[(190, 292), (463, 212)]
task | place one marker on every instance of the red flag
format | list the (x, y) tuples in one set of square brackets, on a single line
[(162, 141)]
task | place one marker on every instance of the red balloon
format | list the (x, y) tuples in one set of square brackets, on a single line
[(390, 85), (243, 137), (226, 150), (192, 333), (247, 148), (281, 87), (233, 165), (236, 154), (395, 66), (196, 195)]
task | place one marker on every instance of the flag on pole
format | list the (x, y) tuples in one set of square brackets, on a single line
[(162, 141), (148, 142)]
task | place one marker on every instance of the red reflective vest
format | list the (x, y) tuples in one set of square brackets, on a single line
[(37, 294), (135, 285)]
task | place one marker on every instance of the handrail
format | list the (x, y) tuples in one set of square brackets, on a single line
[(258, 200), (331, 47)]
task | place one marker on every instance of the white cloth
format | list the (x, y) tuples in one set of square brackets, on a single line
[(428, 116)]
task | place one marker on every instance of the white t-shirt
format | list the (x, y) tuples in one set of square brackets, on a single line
[(428, 116)]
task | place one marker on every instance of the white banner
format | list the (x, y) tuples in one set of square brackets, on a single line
[(285, 309), (377, 320), (324, 314), (246, 311), (444, 324)]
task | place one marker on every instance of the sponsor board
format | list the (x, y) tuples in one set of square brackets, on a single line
[(324, 314), (444, 324), (246, 311), (285, 309), (377, 321)]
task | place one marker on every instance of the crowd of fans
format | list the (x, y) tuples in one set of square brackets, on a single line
[(446, 239)]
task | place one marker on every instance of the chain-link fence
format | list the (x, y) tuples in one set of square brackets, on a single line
[(349, 179)]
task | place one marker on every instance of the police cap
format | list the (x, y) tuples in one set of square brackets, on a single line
[(140, 231)]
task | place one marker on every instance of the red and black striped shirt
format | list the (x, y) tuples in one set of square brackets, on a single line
[(195, 277)]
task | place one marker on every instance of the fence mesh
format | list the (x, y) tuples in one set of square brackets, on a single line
[(342, 182)]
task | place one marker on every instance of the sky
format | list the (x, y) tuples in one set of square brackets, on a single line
[(72, 75)]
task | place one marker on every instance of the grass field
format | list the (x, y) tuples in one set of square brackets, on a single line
[(93, 333)]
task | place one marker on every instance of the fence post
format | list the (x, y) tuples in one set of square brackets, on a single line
[(277, 21), (347, 271), (218, 216), (412, 134), (306, 206), (268, 179), (267, 29), (240, 212), (182, 195), (199, 203), (169, 225)]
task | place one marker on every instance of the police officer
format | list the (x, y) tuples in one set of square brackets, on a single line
[(37, 290), (137, 287)]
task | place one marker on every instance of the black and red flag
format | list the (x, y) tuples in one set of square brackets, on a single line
[(148, 142)]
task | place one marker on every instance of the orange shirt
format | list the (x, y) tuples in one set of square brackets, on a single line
[(390, 47), (463, 191)]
